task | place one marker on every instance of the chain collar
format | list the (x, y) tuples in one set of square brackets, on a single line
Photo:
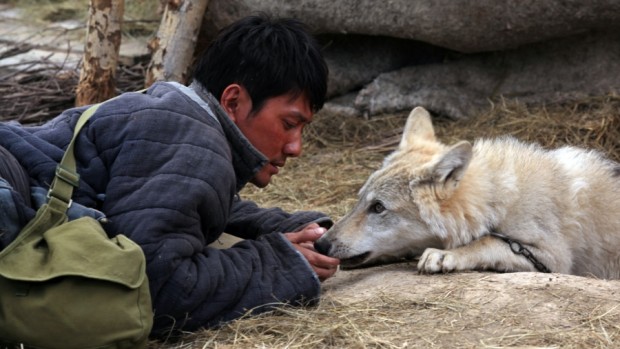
[(518, 248)]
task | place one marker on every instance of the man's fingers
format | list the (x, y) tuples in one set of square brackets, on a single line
[(322, 265), (308, 234), (303, 240), (308, 245), (325, 274), (326, 267), (323, 261)]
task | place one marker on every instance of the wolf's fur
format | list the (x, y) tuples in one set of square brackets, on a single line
[(441, 202)]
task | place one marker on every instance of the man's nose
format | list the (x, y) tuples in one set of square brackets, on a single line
[(293, 147)]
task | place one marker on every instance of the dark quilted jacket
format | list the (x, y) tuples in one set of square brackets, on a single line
[(165, 168)]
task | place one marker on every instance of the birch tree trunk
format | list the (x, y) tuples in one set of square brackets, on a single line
[(103, 40), (174, 45)]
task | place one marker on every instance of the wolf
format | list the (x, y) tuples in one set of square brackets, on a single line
[(499, 204)]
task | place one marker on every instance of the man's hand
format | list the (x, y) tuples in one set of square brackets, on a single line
[(303, 240)]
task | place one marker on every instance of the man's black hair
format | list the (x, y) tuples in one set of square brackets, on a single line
[(268, 57)]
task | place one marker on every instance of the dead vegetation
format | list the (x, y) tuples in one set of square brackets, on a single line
[(32, 96), (392, 306)]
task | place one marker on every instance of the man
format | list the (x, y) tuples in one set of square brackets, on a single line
[(165, 166)]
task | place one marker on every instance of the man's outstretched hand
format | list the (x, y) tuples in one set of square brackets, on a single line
[(303, 240)]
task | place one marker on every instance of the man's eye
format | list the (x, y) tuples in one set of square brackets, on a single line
[(377, 207), (289, 125)]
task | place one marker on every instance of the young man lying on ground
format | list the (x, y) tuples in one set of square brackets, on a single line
[(165, 167)]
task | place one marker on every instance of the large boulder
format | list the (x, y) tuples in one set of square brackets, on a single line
[(550, 72), (452, 56), (395, 305), (461, 25), (356, 60)]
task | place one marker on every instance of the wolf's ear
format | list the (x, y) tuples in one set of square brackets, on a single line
[(419, 126), (450, 169)]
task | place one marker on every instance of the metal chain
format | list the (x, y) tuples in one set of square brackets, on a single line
[(518, 248)]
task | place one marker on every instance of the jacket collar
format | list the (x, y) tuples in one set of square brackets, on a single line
[(247, 160)]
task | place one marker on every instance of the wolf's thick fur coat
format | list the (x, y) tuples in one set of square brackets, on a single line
[(441, 202)]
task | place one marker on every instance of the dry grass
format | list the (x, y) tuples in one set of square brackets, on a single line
[(34, 96)]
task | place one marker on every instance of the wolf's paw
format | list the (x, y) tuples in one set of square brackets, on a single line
[(437, 261)]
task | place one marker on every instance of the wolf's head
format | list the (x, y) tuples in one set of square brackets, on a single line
[(399, 211)]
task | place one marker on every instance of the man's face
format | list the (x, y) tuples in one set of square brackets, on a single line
[(275, 130)]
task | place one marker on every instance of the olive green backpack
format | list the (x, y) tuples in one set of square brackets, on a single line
[(65, 284)]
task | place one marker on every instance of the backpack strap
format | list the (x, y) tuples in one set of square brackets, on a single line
[(66, 176)]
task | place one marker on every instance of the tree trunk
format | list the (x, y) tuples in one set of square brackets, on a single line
[(103, 40), (173, 47)]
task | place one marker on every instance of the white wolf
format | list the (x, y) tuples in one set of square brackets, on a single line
[(502, 205)]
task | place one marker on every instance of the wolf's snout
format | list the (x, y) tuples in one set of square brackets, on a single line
[(322, 246)]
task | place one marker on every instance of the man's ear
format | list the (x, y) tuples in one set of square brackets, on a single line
[(236, 101)]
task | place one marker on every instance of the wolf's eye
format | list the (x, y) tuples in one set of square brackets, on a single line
[(377, 207)]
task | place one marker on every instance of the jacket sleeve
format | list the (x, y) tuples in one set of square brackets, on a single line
[(14, 213), (204, 289), (248, 221)]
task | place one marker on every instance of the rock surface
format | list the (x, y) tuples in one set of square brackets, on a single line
[(461, 25), (452, 56), (480, 309), (554, 71)]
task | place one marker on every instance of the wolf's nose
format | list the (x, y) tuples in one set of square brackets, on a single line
[(322, 246)]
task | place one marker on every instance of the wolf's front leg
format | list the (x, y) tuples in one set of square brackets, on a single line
[(486, 253)]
